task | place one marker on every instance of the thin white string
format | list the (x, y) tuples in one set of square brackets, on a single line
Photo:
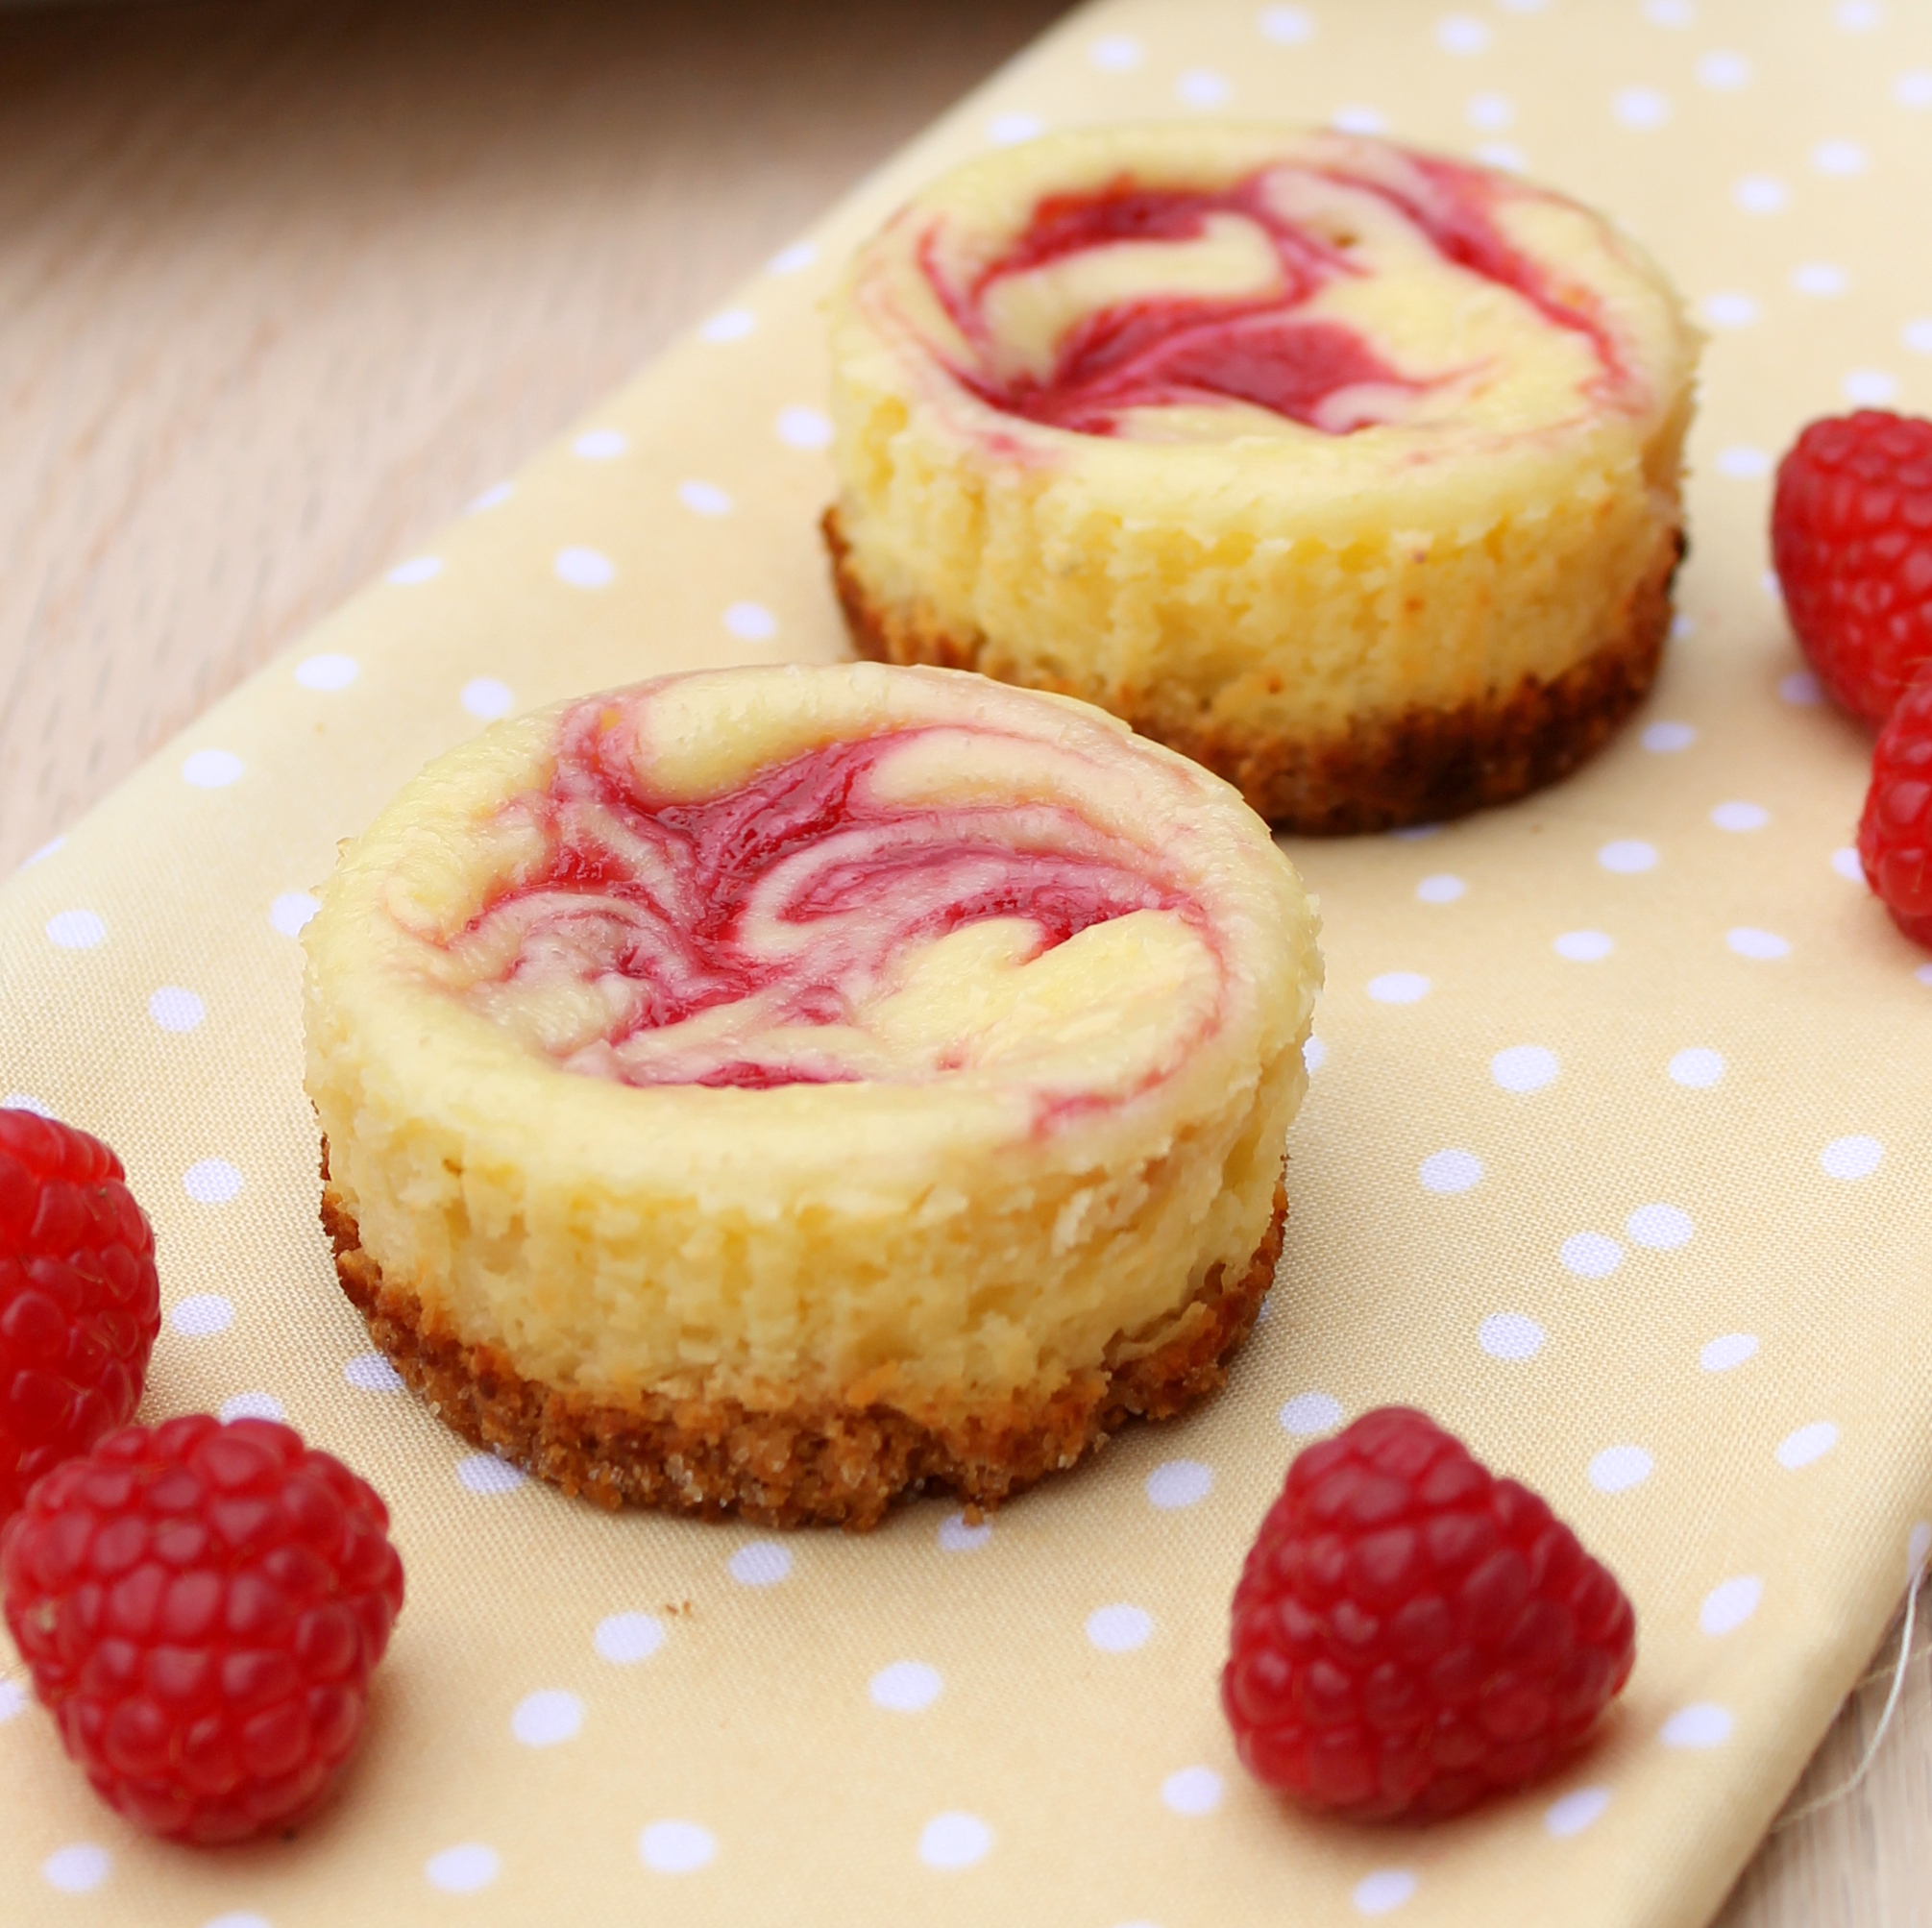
[(1906, 1656)]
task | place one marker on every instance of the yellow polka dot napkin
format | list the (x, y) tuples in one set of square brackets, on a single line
[(1614, 1157)]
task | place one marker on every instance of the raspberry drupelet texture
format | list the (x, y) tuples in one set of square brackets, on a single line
[(80, 1305), (1894, 835), (1852, 536), (201, 1606), (1411, 1633)]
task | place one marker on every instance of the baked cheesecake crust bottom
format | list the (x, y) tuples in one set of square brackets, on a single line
[(815, 1462), (1419, 765)]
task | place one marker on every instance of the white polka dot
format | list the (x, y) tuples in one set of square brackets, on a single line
[(1359, 119), (252, 1406), (1116, 54), (1851, 1157), (1585, 947), (751, 622), (1760, 194), (201, 1315), (211, 1181), (1802, 689), (1180, 1482), (1723, 72), (1641, 107), (491, 497), (1748, 941), (1311, 1412), (1287, 26), (485, 1474), (1314, 1055), (485, 697), (547, 1718), (1914, 89), (1808, 1443), (1399, 987), (1697, 1069), (1441, 889), (1743, 463), (625, 1638), (1669, 13), (1628, 857), (212, 768), (1415, 833), (1703, 1723), (1916, 334), (1192, 1791), (676, 1848), (1461, 33), (1923, 973), (1869, 387), (957, 1536), (1450, 1171), (600, 444), (1575, 1812), (327, 672), (1668, 738), (174, 1009), (955, 1840), (1683, 625), (75, 930), (1619, 1468), (1663, 1227), (1725, 1354), (1592, 1255), (906, 1687), (1510, 1336), (464, 1870), (76, 1868), (804, 429), (46, 850), (1524, 1068), (292, 911), (764, 1563), (1491, 112), (1203, 87), (704, 498), (1729, 310), (245, 1919), (1738, 816), (1383, 1891), (1820, 278), (371, 1371), (729, 325), (417, 568), (1729, 1604), (1503, 155), (793, 261), (1119, 1629), (1859, 16), (1837, 156), (584, 567), (13, 1699), (1009, 130)]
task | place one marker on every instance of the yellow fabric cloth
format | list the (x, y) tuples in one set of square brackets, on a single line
[(1685, 1294)]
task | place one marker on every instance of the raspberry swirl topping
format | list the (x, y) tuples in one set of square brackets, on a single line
[(824, 921)]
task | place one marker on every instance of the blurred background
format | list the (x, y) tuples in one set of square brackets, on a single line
[(284, 285)]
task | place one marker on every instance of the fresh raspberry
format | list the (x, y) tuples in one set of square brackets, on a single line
[(80, 1305), (1852, 536), (202, 1606), (1894, 835), (1411, 1632)]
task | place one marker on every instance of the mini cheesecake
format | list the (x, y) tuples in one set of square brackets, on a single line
[(1349, 470), (780, 1089)]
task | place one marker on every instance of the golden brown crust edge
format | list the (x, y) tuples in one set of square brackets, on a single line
[(812, 1463), (1422, 766)]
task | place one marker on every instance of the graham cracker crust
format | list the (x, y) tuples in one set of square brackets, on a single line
[(1421, 766), (815, 1462)]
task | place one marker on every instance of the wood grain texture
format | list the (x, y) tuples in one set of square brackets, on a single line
[(281, 286)]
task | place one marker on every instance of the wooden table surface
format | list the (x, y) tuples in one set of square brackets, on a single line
[(284, 285)]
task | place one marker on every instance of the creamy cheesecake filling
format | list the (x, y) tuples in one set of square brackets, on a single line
[(862, 910)]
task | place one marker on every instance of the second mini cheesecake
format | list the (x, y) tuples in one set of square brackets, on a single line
[(1349, 470)]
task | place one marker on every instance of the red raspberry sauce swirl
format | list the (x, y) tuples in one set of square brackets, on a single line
[(792, 895), (1181, 350)]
